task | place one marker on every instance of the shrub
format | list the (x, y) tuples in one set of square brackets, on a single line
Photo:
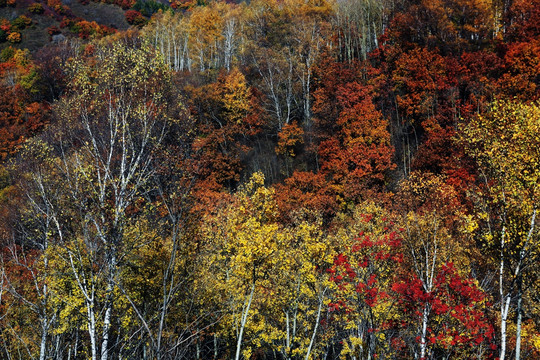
[(21, 22), (150, 7), (14, 37), (5, 25), (7, 54), (36, 8), (53, 30), (124, 4), (133, 17), (69, 23)]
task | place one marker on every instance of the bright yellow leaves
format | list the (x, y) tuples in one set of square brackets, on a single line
[(506, 144), (506, 140), (265, 276), (244, 245), (245, 236), (235, 96)]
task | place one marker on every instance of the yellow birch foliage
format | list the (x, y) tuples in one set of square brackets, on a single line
[(505, 142), (246, 248), (243, 245)]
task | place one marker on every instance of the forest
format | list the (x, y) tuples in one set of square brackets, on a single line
[(269, 180)]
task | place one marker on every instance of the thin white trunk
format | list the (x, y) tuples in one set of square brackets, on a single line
[(505, 298), (42, 346), (505, 306), (519, 276), (243, 323), (175, 66), (230, 27), (106, 328), (45, 321), (423, 344), (289, 94), (168, 288), (92, 329), (312, 341)]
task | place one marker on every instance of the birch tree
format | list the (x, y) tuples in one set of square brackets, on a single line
[(109, 125), (245, 247), (168, 33), (505, 143), (358, 24)]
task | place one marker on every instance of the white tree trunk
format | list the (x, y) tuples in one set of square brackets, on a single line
[(92, 329), (106, 328), (312, 341), (43, 343), (243, 323), (423, 343), (505, 299)]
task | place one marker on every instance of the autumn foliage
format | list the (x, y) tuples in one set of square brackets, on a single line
[(270, 180)]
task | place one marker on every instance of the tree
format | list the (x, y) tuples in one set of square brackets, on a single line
[(363, 272), (354, 149), (505, 143), (110, 124), (448, 311), (33, 231), (357, 25), (168, 32), (444, 307), (246, 248), (227, 117), (286, 40), (21, 115), (267, 278), (447, 25), (295, 316)]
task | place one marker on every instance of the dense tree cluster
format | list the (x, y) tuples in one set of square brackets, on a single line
[(278, 179)]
